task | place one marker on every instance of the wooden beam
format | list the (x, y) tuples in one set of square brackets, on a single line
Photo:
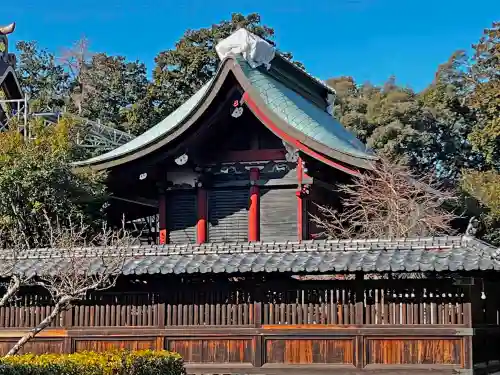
[(252, 155), (287, 181), (138, 200), (253, 210), (201, 225)]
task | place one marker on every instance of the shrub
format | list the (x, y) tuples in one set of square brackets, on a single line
[(144, 362)]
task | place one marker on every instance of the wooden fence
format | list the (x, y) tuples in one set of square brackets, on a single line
[(266, 327)]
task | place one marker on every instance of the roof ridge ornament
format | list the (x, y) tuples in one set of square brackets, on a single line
[(7, 57), (255, 50), (182, 159), (9, 29), (330, 101), (472, 227), (292, 154)]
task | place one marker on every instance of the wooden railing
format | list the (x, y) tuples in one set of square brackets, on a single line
[(345, 304), (116, 310), (414, 306), (28, 311), (267, 327)]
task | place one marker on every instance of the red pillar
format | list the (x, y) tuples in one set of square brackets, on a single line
[(253, 210), (201, 226), (162, 213), (300, 201)]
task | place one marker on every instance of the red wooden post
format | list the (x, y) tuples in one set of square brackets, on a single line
[(201, 226), (162, 218), (300, 202), (253, 210), (300, 215)]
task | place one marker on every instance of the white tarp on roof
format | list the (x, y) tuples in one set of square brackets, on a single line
[(255, 50)]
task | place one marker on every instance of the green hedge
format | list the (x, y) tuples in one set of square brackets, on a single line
[(89, 363)]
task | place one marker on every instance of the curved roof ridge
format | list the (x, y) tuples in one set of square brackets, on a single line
[(317, 80), (285, 112), (159, 130)]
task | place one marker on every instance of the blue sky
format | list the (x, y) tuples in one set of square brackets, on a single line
[(367, 39)]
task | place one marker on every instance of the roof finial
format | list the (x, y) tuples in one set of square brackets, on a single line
[(9, 29), (472, 227)]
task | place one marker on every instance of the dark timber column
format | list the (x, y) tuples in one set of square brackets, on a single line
[(253, 210), (162, 217), (201, 226)]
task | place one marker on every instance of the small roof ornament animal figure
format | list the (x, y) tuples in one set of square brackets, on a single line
[(9, 29), (5, 56), (473, 227)]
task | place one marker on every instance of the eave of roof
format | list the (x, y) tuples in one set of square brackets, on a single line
[(167, 129), (156, 132), (6, 72), (440, 254)]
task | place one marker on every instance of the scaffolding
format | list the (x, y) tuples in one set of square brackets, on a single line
[(14, 112), (91, 135)]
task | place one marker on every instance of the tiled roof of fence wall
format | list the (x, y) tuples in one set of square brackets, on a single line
[(407, 255)]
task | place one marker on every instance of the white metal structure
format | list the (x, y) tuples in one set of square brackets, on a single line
[(14, 112), (93, 135)]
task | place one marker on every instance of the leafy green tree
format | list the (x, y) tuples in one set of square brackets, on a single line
[(113, 85), (42, 79), (481, 77), (388, 118), (451, 122), (485, 96), (37, 183)]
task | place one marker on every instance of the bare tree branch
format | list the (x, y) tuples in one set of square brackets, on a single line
[(388, 202), (78, 273), (58, 308), (76, 60), (11, 289), (12, 243)]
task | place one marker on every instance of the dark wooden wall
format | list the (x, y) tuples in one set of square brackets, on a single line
[(278, 214), (274, 327), (228, 215), (181, 216), (486, 323)]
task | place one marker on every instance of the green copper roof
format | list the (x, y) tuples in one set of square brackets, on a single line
[(304, 115), (156, 132)]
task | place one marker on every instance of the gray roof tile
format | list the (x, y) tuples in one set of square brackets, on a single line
[(423, 254)]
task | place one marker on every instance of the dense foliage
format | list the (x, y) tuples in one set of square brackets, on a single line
[(90, 363), (38, 184), (452, 128)]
